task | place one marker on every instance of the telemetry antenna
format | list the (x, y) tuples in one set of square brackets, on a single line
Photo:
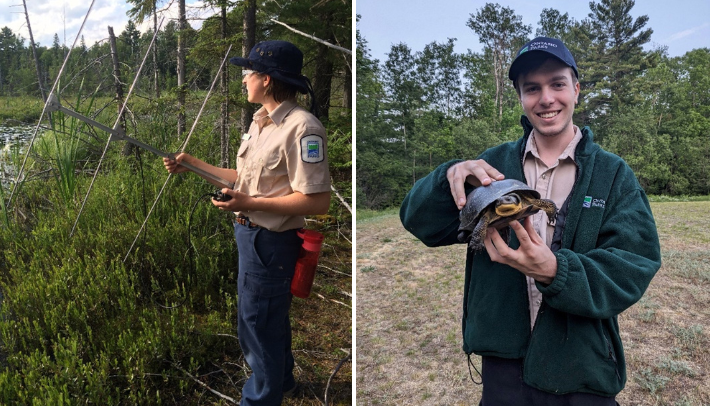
[(117, 134)]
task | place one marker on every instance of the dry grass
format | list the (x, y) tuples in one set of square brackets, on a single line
[(410, 305)]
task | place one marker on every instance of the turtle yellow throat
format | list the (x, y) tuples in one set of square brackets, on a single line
[(508, 205)]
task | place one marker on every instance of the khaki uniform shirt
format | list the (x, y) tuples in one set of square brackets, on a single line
[(555, 183), (283, 152)]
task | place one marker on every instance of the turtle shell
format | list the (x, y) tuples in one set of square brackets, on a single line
[(480, 210), (482, 196)]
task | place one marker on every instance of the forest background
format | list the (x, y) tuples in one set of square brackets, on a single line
[(420, 108), (116, 306)]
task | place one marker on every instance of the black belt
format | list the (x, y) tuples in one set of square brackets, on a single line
[(246, 222)]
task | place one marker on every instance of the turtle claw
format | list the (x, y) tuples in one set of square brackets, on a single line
[(476, 245), (464, 236)]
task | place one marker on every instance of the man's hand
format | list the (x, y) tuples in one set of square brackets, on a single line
[(477, 173), (533, 257), (173, 165)]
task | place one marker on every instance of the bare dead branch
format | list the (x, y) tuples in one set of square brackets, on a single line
[(228, 335), (234, 385), (326, 43), (347, 206), (346, 238), (342, 292), (334, 271), (332, 300), (204, 385), (337, 368)]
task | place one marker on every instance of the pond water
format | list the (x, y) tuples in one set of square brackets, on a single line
[(11, 135), (12, 141)]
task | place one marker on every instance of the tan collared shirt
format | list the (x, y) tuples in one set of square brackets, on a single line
[(554, 182), (283, 152)]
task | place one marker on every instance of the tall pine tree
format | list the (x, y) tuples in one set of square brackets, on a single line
[(617, 45)]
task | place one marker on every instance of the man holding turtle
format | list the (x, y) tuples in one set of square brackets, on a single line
[(542, 309)]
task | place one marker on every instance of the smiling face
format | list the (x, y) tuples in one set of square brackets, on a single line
[(548, 95)]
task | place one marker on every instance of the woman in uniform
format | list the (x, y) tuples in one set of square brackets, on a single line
[(282, 175)]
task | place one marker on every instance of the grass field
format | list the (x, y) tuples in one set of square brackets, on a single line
[(409, 307)]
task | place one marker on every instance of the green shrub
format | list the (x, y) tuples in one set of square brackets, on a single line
[(81, 325)]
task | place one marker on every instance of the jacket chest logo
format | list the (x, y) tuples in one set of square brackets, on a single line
[(590, 202)]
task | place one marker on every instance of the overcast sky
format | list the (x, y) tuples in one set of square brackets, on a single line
[(59, 17), (682, 25)]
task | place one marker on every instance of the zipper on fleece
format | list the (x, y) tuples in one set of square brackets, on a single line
[(612, 356), (540, 311)]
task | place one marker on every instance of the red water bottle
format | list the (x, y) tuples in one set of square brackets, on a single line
[(306, 264)]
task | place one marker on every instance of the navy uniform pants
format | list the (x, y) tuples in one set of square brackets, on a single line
[(267, 261), (503, 386)]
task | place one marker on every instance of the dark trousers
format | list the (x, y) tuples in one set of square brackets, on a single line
[(503, 386), (267, 261)]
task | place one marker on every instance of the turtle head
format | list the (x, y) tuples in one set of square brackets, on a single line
[(508, 205)]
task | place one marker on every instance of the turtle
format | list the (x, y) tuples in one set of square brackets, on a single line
[(496, 205)]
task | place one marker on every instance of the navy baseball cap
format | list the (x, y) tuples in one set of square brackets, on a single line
[(551, 46), (280, 59)]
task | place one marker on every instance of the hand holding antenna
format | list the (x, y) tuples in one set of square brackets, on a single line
[(173, 163)]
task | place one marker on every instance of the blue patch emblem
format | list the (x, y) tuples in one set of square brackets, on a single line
[(312, 149)]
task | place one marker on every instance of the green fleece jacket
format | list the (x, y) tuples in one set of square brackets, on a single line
[(607, 253)]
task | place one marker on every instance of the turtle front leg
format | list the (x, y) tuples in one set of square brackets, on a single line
[(505, 234), (548, 206), (478, 234)]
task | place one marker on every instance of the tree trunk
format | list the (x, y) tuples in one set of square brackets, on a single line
[(224, 125), (34, 55), (348, 88), (414, 167), (128, 148), (155, 51), (182, 23), (498, 74), (247, 45), (322, 80)]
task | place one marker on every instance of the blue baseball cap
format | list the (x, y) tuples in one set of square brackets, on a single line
[(551, 46)]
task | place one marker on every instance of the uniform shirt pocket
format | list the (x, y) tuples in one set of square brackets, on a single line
[(271, 169), (241, 154)]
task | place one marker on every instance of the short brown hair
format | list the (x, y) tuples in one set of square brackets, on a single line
[(279, 90)]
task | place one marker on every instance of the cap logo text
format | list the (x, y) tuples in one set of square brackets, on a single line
[(542, 45)]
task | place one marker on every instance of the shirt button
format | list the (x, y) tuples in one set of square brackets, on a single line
[(544, 175)]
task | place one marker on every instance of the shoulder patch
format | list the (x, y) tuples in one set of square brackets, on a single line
[(312, 149)]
